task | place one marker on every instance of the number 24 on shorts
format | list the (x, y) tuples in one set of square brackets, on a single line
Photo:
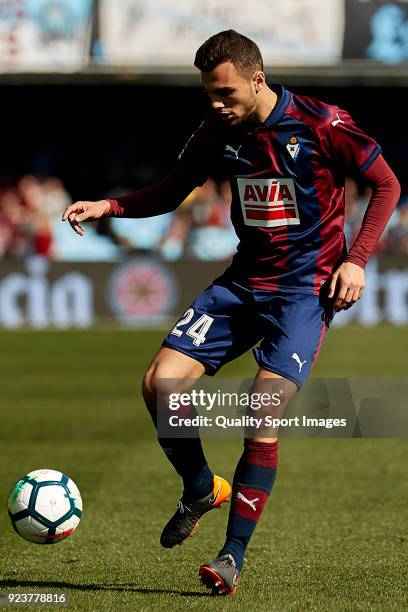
[(197, 330)]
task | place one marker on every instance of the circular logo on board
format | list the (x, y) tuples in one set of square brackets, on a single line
[(142, 291)]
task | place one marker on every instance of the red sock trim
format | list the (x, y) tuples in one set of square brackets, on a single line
[(264, 454)]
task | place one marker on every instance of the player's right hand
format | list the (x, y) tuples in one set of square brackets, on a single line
[(85, 211)]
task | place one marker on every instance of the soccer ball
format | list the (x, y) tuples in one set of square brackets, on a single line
[(45, 506)]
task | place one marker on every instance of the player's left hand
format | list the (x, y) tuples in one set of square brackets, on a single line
[(346, 286)]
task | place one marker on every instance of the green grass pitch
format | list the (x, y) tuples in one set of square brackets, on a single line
[(334, 535)]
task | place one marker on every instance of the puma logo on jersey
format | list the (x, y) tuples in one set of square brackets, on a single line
[(337, 121), (296, 357), (249, 502), (233, 150)]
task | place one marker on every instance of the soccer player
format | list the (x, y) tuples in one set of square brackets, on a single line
[(287, 157)]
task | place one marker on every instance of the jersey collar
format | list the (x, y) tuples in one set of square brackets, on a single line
[(283, 101)]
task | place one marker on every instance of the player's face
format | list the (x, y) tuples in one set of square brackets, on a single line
[(233, 96)]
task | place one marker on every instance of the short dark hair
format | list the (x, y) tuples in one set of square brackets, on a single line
[(231, 46)]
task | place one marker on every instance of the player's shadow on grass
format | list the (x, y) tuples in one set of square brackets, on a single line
[(130, 588)]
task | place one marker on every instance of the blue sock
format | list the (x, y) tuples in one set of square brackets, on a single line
[(187, 457), (252, 485), (200, 485)]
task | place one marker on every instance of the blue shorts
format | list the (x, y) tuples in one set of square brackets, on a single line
[(227, 319)]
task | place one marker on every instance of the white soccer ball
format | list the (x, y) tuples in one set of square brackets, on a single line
[(45, 506)]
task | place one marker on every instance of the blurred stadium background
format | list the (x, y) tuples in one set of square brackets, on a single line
[(99, 96)]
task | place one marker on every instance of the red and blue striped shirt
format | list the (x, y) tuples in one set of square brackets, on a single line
[(287, 181)]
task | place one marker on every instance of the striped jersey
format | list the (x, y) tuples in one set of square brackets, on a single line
[(287, 181)]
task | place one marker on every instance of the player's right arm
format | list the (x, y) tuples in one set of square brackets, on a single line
[(85, 211), (190, 171)]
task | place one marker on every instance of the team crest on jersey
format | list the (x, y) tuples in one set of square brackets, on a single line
[(268, 202), (293, 147)]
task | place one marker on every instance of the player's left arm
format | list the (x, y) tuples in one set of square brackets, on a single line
[(348, 279), (353, 151)]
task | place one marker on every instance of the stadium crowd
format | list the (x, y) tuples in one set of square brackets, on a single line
[(30, 223)]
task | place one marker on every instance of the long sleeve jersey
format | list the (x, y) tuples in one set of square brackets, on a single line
[(287, 182)]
